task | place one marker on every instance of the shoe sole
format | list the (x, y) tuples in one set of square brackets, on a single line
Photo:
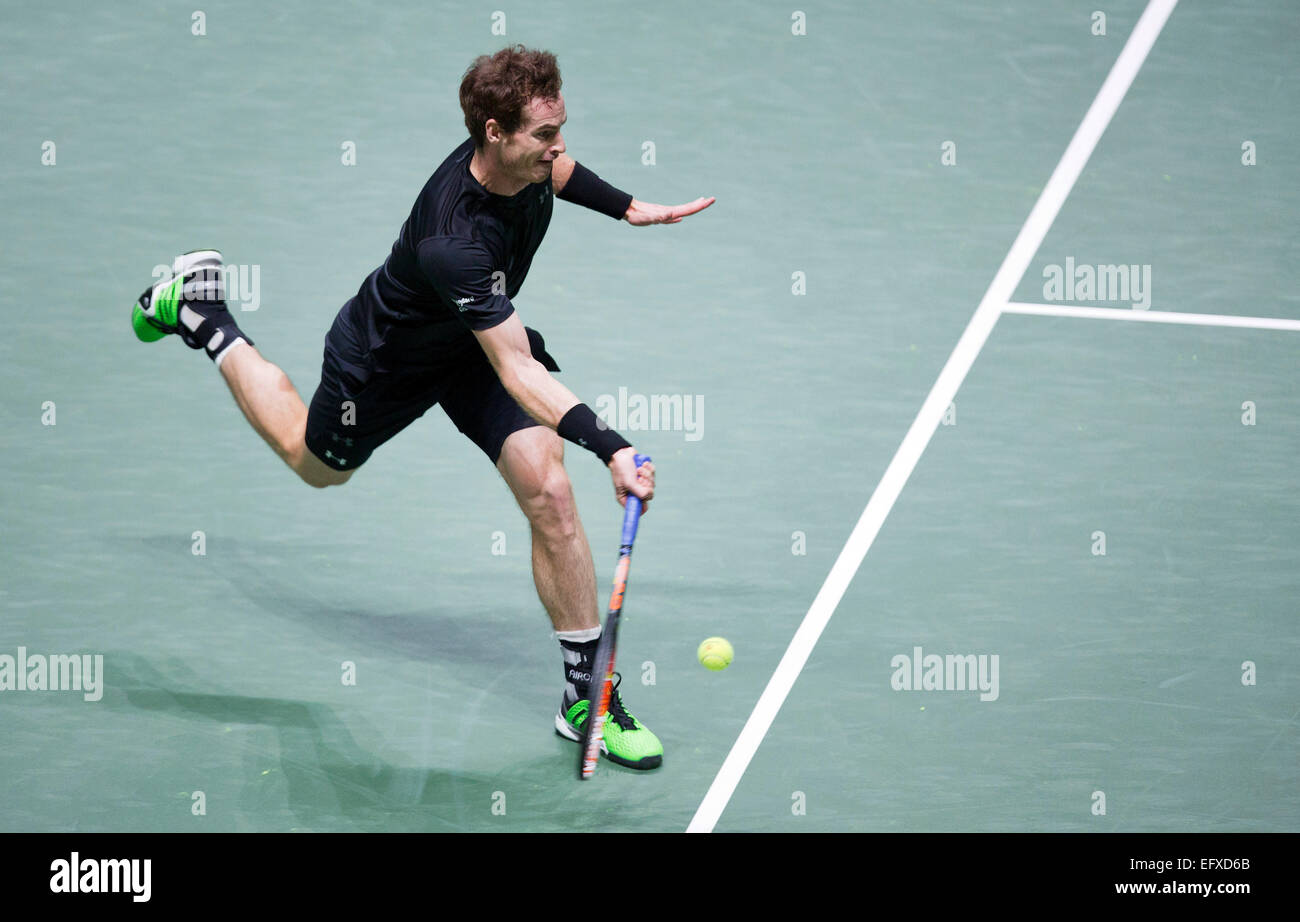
[(566, 730)]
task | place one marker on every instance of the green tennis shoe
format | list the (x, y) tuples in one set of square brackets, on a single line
[(190, 303), (157, 312), (626, 740)]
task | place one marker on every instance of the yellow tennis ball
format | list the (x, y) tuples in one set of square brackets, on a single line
[(715, 653)]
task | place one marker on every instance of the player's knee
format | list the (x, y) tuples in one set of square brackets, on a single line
[(321, 480), (551, 507), (314, 472)]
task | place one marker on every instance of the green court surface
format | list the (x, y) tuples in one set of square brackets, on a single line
[(1158, 678)]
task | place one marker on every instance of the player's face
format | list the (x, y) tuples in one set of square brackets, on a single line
[(530, 152)]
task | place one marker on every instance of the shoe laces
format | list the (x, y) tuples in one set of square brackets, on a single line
[(616, 710)]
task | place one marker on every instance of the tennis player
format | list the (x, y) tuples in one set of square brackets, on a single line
[(435, 324)]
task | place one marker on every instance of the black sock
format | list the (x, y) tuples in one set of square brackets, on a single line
[(579, 662), (204, 320)]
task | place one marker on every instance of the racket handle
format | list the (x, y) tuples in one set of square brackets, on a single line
[(632, 508)]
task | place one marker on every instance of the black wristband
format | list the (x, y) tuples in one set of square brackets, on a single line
[(589, 190), (581, 427)]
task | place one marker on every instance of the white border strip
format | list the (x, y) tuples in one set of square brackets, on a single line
[(1119, 313), (927, 420)]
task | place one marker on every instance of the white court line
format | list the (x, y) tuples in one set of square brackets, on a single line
[(1119, 313), (977, 332)]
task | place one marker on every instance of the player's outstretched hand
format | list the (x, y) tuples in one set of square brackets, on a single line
[(639, 214), (629, 478)]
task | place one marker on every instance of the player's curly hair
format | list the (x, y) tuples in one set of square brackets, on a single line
[(501, 85)]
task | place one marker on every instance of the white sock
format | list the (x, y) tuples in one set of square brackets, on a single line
[(590, 633), (216, 359)]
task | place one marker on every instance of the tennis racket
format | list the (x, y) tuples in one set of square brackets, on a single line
[(603, 666)]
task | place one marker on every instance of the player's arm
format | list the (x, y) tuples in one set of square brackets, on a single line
[(561, 172), (573, 182), (555, 406), (542, 396)]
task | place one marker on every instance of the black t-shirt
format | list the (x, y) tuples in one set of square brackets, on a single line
[(461, 256)]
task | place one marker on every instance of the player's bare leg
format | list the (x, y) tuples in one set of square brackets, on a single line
[(532, 463), (272, 406), (190, 302)]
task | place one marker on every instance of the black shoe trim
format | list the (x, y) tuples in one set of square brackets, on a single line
[(645, 764)]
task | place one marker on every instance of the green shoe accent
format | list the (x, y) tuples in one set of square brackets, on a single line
[(161, 317), (145, 331), (626, 740)]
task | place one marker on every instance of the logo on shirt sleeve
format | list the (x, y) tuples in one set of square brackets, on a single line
[(461, 302)]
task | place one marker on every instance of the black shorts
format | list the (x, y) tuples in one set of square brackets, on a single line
[(357, 408)]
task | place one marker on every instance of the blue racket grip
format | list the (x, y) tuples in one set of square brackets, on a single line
[(632, 509)]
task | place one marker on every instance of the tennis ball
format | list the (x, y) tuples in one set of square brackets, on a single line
[(715, 653)]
